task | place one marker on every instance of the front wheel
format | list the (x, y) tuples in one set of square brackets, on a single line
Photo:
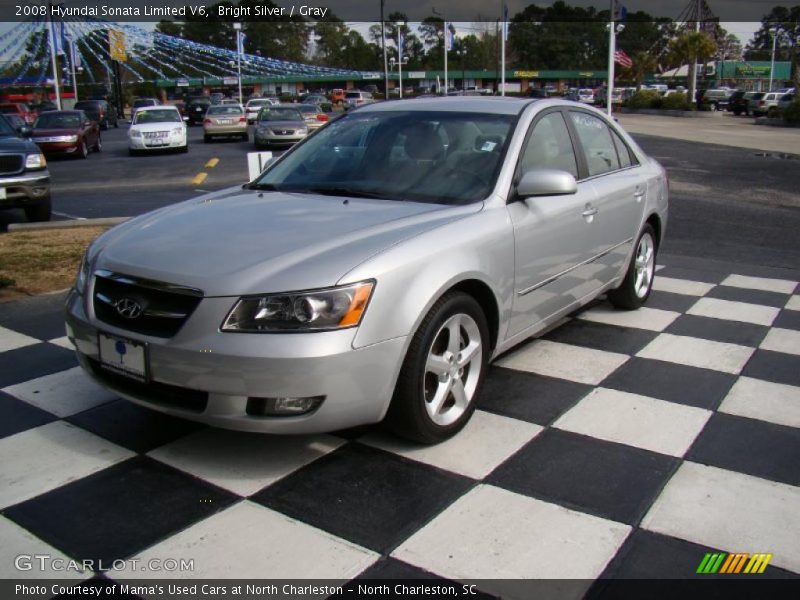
[(638, 282), (39, 212), (98, 145), (83, 150), (443, 371)]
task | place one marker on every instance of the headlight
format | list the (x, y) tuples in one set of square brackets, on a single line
[(135, 133), (35, 161), (70, 138), (83, 274), (177, 131), (318, 310), (303, 130)]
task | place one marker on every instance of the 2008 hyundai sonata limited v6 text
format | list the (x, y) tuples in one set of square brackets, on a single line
[(374, 270)]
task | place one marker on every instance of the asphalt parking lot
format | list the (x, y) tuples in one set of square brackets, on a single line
[(620, 445)]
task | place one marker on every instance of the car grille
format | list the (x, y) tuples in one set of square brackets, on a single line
[(162, 308), (283, 131), (150, 135), (11, 164), (164, 394)]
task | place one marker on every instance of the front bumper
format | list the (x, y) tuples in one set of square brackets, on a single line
[(237, 129), (62, 148), (142, 143), (262, 137), (231, 367), (25, 190)]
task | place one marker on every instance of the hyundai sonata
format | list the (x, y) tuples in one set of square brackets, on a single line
[(372, 272)]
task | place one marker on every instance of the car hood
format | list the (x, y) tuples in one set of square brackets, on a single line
[(281, 124), (160, 126), (54, 132), (240, 242), (14, 144)]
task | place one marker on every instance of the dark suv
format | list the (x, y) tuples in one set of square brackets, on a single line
[(196, 109), (24, 178), (100, 111)]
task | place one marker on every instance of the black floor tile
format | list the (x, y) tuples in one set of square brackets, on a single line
[(41, 317), (669, 301), (774, 366), (17, 416), (788, 319), (603, 478), (735, 294), (703, 388), (691, 274), (370, 497), (391, 568), (132, 426), (718, 330), (119, 511), (649, 555), (529, 397), (30, 362), (600, 336), (766, 450)]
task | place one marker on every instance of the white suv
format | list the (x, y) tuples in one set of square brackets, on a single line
[(355, 98)]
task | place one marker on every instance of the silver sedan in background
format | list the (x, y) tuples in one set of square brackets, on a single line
[(372, 272), (281, 125)]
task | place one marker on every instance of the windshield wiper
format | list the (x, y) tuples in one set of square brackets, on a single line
[(261, 187), (342, 191)]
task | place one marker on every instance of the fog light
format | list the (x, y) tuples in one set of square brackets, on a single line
[(282, 407), (39, 191)]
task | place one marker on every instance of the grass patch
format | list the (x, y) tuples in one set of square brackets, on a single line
[(35, 262)]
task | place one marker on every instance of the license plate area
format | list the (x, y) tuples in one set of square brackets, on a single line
[(123, 356)]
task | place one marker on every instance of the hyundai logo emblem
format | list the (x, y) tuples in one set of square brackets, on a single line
[(128, 308)]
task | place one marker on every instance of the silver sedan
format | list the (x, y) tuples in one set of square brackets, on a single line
[(374, 271)]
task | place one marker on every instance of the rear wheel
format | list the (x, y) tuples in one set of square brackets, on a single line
[(245, 136), (83, 149), (206, 138), (39, 212), (772, 112), (98, 145), (638, 282), (184, 149), (443, 371)]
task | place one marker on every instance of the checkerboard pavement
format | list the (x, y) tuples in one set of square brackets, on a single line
[(618, 445)]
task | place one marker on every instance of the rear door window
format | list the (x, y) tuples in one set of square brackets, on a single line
[(598, 146)]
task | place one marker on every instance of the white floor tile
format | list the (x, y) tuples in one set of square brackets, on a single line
[(652, 319), (63, 342), (760, 283), (694, 352), (734, 311), (730, 511), (243, 462), (18, 542), (11, 340), (249, 541), (491, 533), (793, 303), (782, 340), (764, 400), (681, 286), (482, 445), (47, 457), (564, 361), (635, 420), (62, 394)]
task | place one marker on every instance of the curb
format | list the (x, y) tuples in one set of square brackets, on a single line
[(67, 224), (687, 114)]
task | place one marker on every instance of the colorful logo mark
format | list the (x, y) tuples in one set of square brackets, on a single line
[(741, 562)]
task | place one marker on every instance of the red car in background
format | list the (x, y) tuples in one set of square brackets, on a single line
[(19, 109), (67, 132)]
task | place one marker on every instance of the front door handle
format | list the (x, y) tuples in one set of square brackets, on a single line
[(590, 212), (638, 195)]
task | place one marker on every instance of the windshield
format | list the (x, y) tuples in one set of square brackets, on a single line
[(225, 109), (308, 108), (256, 103), (58, 121), (5, 128), (8, 109), (157, 116), (279, 113), (353, 95), (424, 156)]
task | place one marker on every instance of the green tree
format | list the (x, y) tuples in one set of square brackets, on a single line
[(689, 48), (786, 22)]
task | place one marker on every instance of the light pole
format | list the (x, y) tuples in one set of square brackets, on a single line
[(462, 54), (237, 27), (399, 63), (774, 32), (53, 57), (385, 63)]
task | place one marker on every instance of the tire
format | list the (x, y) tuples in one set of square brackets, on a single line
[(413, 413), (736, 112), (245, 137), (772, 112), (39, 212), (83, 150), (133, 152), (116, 123), (184, 149), (206, 138), (638, 283), (98, 145), (104, 125)]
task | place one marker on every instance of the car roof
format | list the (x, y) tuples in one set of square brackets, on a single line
[(503, 105), (159, 107)]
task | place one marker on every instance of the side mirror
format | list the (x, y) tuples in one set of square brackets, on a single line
[(546, 182), (25, 131)]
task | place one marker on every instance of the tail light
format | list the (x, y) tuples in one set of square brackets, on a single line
[(322, 117), (207, 121), (242, 119), (761, 102)]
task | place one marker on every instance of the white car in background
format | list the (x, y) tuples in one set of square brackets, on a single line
[(157, 128), (254, 105), (586, 95)]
